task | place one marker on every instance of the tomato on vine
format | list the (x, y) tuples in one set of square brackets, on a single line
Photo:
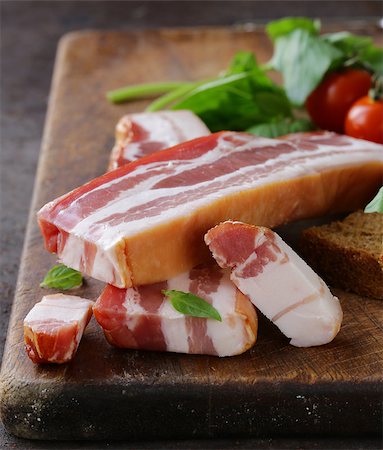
[(365, 119), (329, 103)]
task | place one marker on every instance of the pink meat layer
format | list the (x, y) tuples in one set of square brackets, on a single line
[(121, 227), (54, 327), (141, 134), (143, 318)]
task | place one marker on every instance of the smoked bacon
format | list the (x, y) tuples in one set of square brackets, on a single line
[(141, 134), (144, 222), (143, 318)]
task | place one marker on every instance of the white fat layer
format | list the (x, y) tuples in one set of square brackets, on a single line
[(132, 303), (70, 352), (230, 336), (188, 122), (106, 266), (66, 308), (73, 252), (283, 285)]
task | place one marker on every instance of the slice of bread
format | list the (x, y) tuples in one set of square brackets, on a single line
[(348, 253)]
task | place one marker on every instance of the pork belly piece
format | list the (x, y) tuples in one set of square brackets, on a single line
[(278, 282), (145, 222), (141, 134), (54, 327), (143, 318)]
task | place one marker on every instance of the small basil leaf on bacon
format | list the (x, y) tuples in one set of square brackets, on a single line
[(192, 305), (62, 277)]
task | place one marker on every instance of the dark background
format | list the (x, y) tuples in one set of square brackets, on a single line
[(30, 31)]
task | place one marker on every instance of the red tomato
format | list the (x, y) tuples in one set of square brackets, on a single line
[(329, 103), (365, 120)]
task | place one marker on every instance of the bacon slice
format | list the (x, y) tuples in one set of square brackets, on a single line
[(141, 134), (142, 318), (278, 282), (54, 327), (144, 222)]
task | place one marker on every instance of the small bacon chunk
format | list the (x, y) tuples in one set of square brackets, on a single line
[(141, 134), (278, 282), (54, 327), (143, 318)]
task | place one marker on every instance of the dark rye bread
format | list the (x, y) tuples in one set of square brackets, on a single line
[(348, 253)]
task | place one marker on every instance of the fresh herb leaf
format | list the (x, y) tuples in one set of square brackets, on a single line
[(304, 57), (376, 204), (279, 28), (242, 62), (237, 101), (358, 50), (372, 58), (191, 305), (62, 277), (303, 60), (347, 42), (281, 127)]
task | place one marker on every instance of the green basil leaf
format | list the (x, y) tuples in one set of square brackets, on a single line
[(303, 60), (373, 57), (281, 127), (237, 101), (376, 204), (278, 28), (191, 305), (358, 49), (242, 62), (348, 43), (62, 277)]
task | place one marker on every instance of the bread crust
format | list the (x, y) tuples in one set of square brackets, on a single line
[(337, 254)]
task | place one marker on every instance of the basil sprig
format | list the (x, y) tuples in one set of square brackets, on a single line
[(304, 57), (241, 96), (62, 277), (191, 305), (376, 204)]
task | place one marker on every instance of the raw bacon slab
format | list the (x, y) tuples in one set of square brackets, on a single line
[(145, 222), (143, 318), (141, 134), (278, 282), (54, 327)]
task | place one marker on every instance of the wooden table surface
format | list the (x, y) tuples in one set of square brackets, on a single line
[(30, 32)]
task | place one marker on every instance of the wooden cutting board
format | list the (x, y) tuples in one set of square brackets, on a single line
[(105, 393)]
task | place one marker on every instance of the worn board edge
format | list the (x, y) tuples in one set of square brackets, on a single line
[(369, 403)]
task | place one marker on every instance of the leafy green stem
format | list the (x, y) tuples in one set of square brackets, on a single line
[(143, 90), (171, 97)]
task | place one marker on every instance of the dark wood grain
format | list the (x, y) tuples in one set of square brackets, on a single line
[(108, 393)]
